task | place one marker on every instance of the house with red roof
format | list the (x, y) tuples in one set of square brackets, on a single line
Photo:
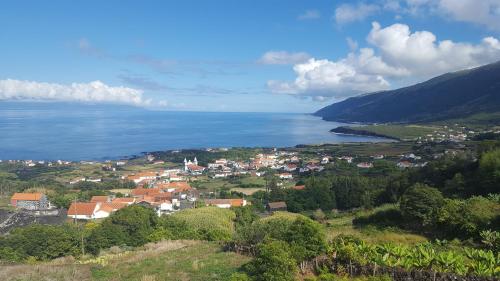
[(93, 210), (30, 201), (226, 203)]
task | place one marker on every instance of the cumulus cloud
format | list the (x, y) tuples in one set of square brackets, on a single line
[(485, 12), (93, 92), (283, 57), (309, 15), (322, 77), (482, 12), (347, 13), (396, 54), (421, 54)]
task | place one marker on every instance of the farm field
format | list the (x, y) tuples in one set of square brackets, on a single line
[(169, 260)]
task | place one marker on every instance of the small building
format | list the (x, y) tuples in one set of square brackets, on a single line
[(285, 176), (30, 201), (276, 206), (226, 203), (93, 210), (365, 165)]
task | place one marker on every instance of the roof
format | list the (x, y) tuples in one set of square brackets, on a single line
[(299, 187), (113, 206), (195, 167), (99, 198), (145, 191), (179, 186), (81, 208), (36, 196), (277, 205), (124, 200), (232, 202), (163, 196)]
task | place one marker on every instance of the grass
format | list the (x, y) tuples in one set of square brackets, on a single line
[(393, 149), (200, 261), (248, 191), (167, 260), (342, 225), (402, 132)]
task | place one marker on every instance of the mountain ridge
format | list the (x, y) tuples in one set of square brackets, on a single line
[(451, 95)]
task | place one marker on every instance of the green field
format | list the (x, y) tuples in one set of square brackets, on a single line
[(402, 132), (169, 260), (342, 225)]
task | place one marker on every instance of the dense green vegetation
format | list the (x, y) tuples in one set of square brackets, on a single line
[(424, 256)]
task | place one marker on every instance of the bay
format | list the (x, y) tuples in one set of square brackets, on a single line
[(51, 131)]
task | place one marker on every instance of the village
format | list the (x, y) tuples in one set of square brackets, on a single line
[(168, 190)]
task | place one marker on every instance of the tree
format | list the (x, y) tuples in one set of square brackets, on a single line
[(244, 216), (306, 238), (132, 226), (318, 190), (43, 242), (421, 203), (489, 172), (273, 262), (456, 186)]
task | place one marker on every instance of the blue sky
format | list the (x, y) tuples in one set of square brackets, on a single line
[(259, 55)]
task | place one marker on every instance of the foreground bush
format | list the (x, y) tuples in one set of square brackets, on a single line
[(273, 262), (425, 256), (40, 242), (305, 237), (130, 226), (210, 223)]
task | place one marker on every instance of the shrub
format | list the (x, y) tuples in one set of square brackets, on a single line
[(305, 236), (420, 204), (41, 242), (210, 223), (273, 262), (131, 226), (384, 218)]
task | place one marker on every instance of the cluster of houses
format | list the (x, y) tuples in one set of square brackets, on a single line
[(163, 197)]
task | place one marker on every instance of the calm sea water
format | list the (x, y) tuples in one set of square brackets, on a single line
[(75, 132)]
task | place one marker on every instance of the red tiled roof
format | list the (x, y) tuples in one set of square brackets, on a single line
[(195, 167), (299, 187), (81, 208), (232, 202), (145, 191), (27, 196), (124, 200), (163, 196), (114, 206)]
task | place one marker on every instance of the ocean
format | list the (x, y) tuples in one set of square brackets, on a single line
[(52, 131)]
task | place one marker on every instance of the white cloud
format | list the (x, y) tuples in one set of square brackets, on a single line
[(327, 78), (93, 92), (396, 54), (309, 15), (283, 57), (347, 13), (484, 12), (421, 54)]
